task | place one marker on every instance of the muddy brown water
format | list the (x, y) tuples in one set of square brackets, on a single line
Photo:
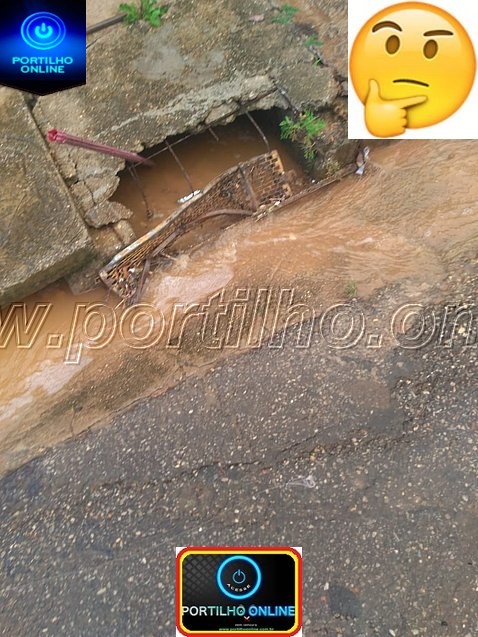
[(409, 218), (204, 157)]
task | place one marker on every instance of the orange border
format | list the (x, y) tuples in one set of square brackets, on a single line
[(204, 550)]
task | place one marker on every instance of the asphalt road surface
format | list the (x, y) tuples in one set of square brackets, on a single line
[(365, 458)]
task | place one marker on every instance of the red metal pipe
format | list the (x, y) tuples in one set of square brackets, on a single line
[(60, 137)]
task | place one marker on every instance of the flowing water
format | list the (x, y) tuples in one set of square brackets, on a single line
[(412, 216)]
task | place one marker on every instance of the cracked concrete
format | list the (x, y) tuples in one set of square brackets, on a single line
[(201, 67), (42, 236), (365, 457)]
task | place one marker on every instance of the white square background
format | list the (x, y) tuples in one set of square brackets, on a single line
[(461, 125)]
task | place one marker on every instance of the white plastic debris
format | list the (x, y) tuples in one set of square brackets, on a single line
[(190, 196)]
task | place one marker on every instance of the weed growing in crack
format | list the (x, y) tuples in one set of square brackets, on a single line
[(312, 42), (304, 130), (148, 11), (286, 14)]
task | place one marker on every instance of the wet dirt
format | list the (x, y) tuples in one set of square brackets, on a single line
[(410, 219)]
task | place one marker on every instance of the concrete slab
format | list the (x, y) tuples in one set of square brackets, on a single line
[(42, 236), (145, 84), (98, 11)]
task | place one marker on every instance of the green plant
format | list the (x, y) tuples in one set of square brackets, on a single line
[(308, 149), (148, 10), (312, 41), (286, 14), (304, 130), (288, 128), (152, 13), (131, 11), (311, 124)]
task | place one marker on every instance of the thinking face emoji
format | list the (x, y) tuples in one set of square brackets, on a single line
[(412, 65)]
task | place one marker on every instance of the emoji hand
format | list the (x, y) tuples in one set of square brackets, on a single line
[(387, 118)]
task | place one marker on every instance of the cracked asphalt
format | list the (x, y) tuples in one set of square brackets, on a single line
[(366, 458)]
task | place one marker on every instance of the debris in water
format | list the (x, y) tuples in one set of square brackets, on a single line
[(308, 483), (253, 187), (362, 159), (190, 196)]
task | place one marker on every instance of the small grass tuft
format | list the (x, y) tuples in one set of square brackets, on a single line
[(312, 42), (304, 130), (131, 11), (148, 11), (152, 13), (286, 14)]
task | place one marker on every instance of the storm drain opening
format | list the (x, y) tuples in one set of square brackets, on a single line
[(185, 164), (224, 174)]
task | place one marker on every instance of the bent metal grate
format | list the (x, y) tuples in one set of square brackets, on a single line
[(250, 188)]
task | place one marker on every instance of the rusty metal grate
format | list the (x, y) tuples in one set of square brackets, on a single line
[(249, 188)]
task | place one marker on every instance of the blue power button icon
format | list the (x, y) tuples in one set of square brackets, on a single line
[(43, 30), (239, 577)]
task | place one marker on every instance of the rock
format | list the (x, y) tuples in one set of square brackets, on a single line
[(220, 113), (257, 18), (82, 196), (107, 243), (102, 188), (106, 213), (125, 232)]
